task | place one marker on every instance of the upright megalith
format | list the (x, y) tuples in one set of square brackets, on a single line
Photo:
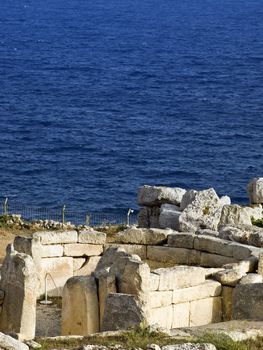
[(20, 285), (80, 306), (255, 190)]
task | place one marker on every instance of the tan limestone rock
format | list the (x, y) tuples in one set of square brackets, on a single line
[(228, 277), (56, 237), (51, 251), (211, 311), (80, 307), (251, 278), (92, 237), (138, 249), (215, 260), (227, 303), (78, 263), (174, 255), (181, 240), (89, 266), (247, 302), (161, 317), (107, 285), (9, 343), (213, 245), (260, 264), (143, 236), (160, 299), (157, 195), (181, 315), (78, 249)]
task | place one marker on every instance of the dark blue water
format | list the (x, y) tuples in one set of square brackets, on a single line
[(100, 97)]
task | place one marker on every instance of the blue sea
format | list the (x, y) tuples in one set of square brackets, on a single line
[(100, 97)]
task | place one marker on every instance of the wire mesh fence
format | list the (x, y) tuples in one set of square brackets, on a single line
[(65, 214)]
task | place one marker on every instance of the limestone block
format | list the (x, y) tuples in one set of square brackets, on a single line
[(56, 237), (180, 277), (215, 260), (237, 215), (149, 217), (89, 267), (20, 285), (211, 311), (251, 278), (202, 291), (246, 234), (227, 303), (2, 296), (154, 281), (154, 195), (78, 263), (247, 265), (188, 198), (181, 315), (161, 317), (92, 237), (160, 299), (207, 232), (260, 264), (229, 277), (109, 257), (174, 255), (49, 251), (137, 249), (77, 249), (80, 307), (134, 278), (255, 190), (9, 343), (122, 311), (241, 252), (169, 216), (225, 200), (107, 284), (213, 245), (29, 246), (247, 302), (181, 240), (59, 270), (203, 212), (134, 235), (190, 346)]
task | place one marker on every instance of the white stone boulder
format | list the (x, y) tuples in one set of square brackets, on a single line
[(157, 195), (9, 343), (251, 278), (169, 216), (238, 215), (190, 346), (188, 198), (144, 236), (204, 212), (56, 237), (229, 277), (92, 237), (80, 307), (255, 190)]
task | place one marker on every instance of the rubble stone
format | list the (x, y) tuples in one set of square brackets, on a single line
[(154, 195)]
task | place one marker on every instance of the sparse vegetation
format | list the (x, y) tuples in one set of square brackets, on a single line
[(257, 222)]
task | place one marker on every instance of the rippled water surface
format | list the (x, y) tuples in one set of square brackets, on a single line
[(99, 97)]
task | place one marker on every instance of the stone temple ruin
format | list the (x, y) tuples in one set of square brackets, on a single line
[(195, 259)]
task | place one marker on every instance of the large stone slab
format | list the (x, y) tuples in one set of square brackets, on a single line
[(77, 249), (154, 195), (181, 315), (122, 311), (211, 311), (169, 216), (181, 240), (248, 302), (237, 215), (260, 264), (245, 234), (180, 277), (56, 237), (203, 212), (51, 251), (107, 285), (9, 343), (202, 291), (89, 267), (161, 317), (255, 190), (31, 247), (190, 346), (174, 255), (92, 237), (160, 299), (149, 217), (215, 260), (143, 236), (138, 249), (80, 307), (213, 245), (229, 277), (58, 271), (19, 281), (227, 303)]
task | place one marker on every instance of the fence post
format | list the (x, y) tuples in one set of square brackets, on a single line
[(63, 215), (87, 221), (130, 211), (5, 206)]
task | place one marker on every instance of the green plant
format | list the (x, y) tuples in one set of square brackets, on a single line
[(257, 222)]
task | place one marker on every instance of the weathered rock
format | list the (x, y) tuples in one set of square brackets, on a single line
[(109, 257), (9, 343), (181, 240), (153, 195), (56, 237), (107, 284), (190, 346), (160, 298), (203, 212), (122, 311), (211, 311), (236, 215), (174, 255), (154, 281), (246, 234), (89, 267), (161, 317), (78, 263), (247, 301), (138, 249), (202, 291), (215, 260), (149, 217), (248, 265), (181, 315), (260, 264), (229, 277), (188, 198), (51, 251), (20, 284), (80, 307), (2, 296), (77, 249), (213, 245), (58, 271), (92, 237), (169, 216), (142, 236), (29, 246), (227, 303), (255, 190), (180, 277), (251, 278), (207, 232)]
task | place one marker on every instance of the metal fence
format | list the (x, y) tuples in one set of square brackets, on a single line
[(65, 214)]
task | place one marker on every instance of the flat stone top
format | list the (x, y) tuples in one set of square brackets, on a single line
[(56, 237)]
